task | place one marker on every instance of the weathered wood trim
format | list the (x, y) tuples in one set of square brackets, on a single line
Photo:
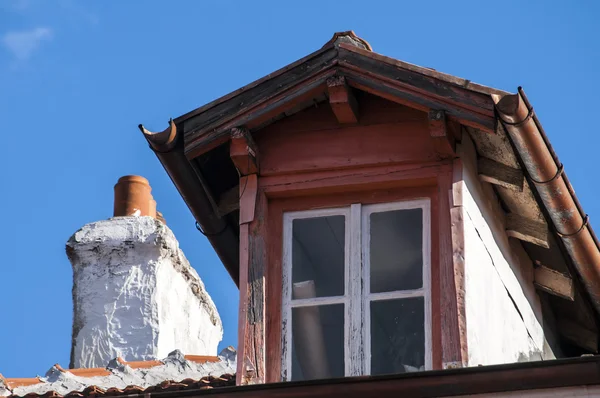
[(403, 190), (264, 80), (425, 85), (554, 282), (531, 231), (443, 140), (248, 195), (342, 101), (500, 174), (452, 347), (253, 262), (455, 195), (578, 335), (243, 151), (407, 97), (255, 113), (340, 181), (243, 371), (458, 185), (480, 95), (205, 119), (229, 201)]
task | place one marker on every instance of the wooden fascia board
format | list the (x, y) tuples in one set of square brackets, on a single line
[(251, 86), (285, 100), (425, 91), (310, 87), (417, 82), (364, 70), (410, 98), (205, 123), (428, 72)]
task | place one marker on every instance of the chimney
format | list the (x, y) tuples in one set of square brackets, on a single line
[(135, 295)]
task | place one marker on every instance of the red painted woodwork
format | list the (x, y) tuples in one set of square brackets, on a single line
[(309, 160), (314, 140), (274, 269), (242, 151), (342, 100), (253, 261)]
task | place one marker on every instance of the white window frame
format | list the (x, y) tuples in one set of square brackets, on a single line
[(356, 296)]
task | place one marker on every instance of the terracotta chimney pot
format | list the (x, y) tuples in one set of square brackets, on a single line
[(133, 197)]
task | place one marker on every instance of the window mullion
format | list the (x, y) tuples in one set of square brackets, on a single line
[(366, 291), (354, 357)]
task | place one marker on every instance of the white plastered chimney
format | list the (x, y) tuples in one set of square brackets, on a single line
[(135, 295)]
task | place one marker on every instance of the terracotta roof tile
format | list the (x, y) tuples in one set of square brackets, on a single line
[(147, 372), (22, 382), (89, 372), (208, 382), (201, 358), (142, 364)]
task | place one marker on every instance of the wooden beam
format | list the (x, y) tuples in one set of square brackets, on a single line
[(443, 138), (500, 174), (229, 201), (554, 282), (342, 101), (243, 151), (251, 317), (531, 231), (578, 335)]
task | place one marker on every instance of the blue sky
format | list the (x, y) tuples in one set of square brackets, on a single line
[(77, 77)]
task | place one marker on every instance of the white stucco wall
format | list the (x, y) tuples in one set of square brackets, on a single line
[(135, 295), (503, 311)]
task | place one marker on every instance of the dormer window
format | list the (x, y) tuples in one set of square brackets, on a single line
[(356, 290)]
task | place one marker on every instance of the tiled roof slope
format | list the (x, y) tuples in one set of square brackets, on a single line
[(176, 372)]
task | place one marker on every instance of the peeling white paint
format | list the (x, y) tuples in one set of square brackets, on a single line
[(503, 311), (174, 367), (135, 295)]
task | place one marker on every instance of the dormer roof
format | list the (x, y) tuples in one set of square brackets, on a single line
[(503, 126)]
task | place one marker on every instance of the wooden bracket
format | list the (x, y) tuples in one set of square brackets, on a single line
[(554, 282), (531, 231), (243, 152), (500, 174), (443, 137), (342, 101)]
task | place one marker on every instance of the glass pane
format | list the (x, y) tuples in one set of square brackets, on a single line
[(318, 342), (396, 250), (397, 336), (318, 257)]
